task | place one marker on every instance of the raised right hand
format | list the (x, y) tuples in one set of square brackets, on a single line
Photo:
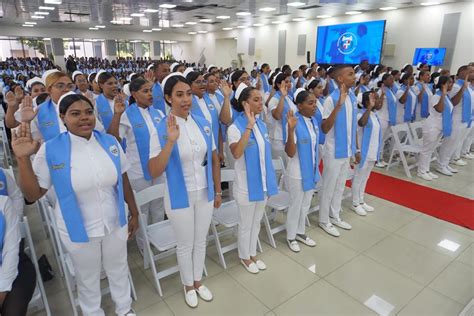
[(283, 90), (22, 142), (11, 100), (26, 110), (250, 116), (19, 94), (291, 119), (342, 95), (172, 128), (444, 89), (149, 76)]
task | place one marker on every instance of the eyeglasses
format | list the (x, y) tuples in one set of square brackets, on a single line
[(64, 86), (200, 82), (243, 79)]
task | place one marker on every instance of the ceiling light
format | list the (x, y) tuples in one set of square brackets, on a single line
[(223, 17), (388, 8), (28, 25), (449, 245), (116, 22), (93, 28), (46, 38), (242, 26), (429, 3), (126, 19), (53, 1), (151, 10), (258, 24), (41, 13), (191, 23), (147, 31), (299, 19), (236, 38), (243, 13), (31, 23), (46, 8), (277, 22), (205, 20), (202, 32), (156, 29), (37, 17), (226, 28), (295, 4), (167, 6), (323, 16), (100, 26), (267, 9), (353, 12), (177, 25), (192, 33), (137, 15)]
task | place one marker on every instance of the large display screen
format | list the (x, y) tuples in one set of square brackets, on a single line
[(429, 56), (350, 43)]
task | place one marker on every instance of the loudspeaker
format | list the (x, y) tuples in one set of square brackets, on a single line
[(308, 58)]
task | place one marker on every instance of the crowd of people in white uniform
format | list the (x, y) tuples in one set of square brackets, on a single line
[(86, 143)]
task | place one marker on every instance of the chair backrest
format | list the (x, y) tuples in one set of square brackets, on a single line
[(280, 171), (227, 175), (401, 134), (416, 132), (228, 155), (149, 194)]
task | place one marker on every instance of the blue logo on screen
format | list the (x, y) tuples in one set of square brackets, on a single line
[(347, 43)]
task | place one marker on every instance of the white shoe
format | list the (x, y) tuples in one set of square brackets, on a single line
[(468, 156), (367, 207), (204, 293), (252, 268), (305, 240), (434, 176), (424, 176), (458, 162), (330, 229), (340, 223), (453, 170), (131, 312), (380, 164), (444, 171), (261, 265), (359, 210), (293, 244), (191, 298)]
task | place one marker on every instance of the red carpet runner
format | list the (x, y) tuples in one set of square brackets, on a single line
[(448, 207)]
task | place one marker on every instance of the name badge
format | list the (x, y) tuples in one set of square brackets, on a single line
[(305, 141), (58, 166), (251, 143), (114, 150), (207, 129), (139, 125), (47, 124)]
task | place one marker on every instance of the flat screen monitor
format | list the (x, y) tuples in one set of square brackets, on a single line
[(430, 56), (350, 43)]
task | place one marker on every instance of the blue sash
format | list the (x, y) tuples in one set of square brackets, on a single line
[(252, 161), (319, 119), (447, 116), (392, 106), (308, 166), (196, 109), (158, 97), (340, 126), (142, 134), (104, 111), (3, 183), (3, 228), (366, 137), (174, 169), (266, 85), (286, 108), (424, 111), (58, 157), (363, 89), (332, 85), (466, 105), (48, 121), (220, 99), (410, 113)]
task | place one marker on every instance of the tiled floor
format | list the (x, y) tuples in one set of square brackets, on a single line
[(392, 253)]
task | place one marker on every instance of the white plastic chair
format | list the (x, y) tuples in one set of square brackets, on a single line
[(403, 145), (39, 299), (228, 216), (416, 132)]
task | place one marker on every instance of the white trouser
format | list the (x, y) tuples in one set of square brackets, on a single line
[(319, 184), (334, 175), (88, 258), (385, 130), (451, 143), (300, 202), (464, 133), (250, 217), (359, 182), (431, 136), (191, 226), (466, 146)]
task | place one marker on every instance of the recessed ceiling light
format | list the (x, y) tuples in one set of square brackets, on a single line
[(192, 33), (222, 17), (156, 29), (242, 26), (205, 20), (167, 6), (116, 22), (226, 28), (100, 26), (299, 19), (37, 17), (258, 24), (53, 1), (429, 3), (46, 38), (388, 8), (295, 4), (46, 8), (126, 19), (151, 10), (147, 31), (323, 16), (177, 25), (31, 23), (267, 9), (353, 12), (243, 13), (449, 245), (93, 28), (191, 23), (202, 32), (41, 13), (137, 15), (277, 22), (28, 25)]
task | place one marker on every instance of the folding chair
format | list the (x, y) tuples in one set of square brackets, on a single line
[(39, 300), (276, 203), (228, 216), (403, 145), (416, 132)]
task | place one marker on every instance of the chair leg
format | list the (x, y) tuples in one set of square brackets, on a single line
[(132, 286), (72, 299), (218, 245), (268, 228), (307, 221), (259, 245), (405, 164)]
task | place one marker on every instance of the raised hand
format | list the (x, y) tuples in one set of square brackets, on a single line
[(466, 82), (444, 89), (11, 100), (19, 94), (172, 128), (22, 142), (342, 95), (26, 110), (225, 88), (119, 104), (291, 119), (149, 76), (250, 116), (382, 87), (259, 83), (283, 89), (371, 104)]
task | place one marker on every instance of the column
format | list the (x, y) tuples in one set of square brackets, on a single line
[(110, 50), (155, 53), (57, 46), (138, 50)]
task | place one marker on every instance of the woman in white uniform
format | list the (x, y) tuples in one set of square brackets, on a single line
[(278, 107), (302, 173), (255, 177), (88, 172), (407, 98), (424, 94), (369, 136), (438, 124), (104, 103), (187, 152)]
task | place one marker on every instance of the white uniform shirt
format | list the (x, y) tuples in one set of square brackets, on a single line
[(374, 136), (234, 136), (401, 106), (276, 132), (192, 151), (435, 120), (14, 193), (215, 101), (383, 112), (11, 244), (329, 145), (133, 156), (93, 177), (204, 109), (417, 90), (457, 112), (294, 169)]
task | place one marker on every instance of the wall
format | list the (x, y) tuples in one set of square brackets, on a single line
[(226, 51)]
